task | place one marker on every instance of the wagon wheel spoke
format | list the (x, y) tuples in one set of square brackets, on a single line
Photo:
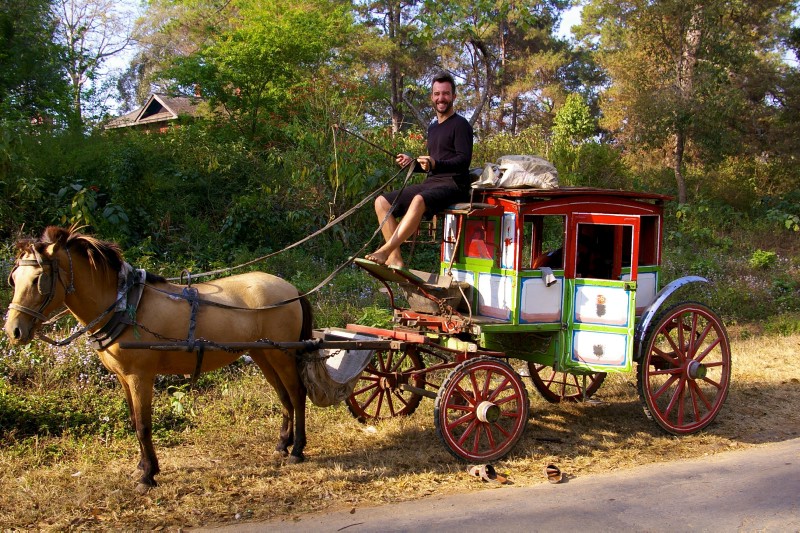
[(562, 386), (665, 387), (676, 396), (377, 393), (711, 347), (673, 361), (489, 437), (492, 395)]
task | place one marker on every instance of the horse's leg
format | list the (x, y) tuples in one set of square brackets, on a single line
[(286, 366), (286, 437), (131, 412), (141, 390)]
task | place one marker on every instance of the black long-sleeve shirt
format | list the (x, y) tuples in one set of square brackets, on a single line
[(450, 146)]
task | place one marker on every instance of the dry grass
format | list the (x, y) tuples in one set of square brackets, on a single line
[(223, 469)]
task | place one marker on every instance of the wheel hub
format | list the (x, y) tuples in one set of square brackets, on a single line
[(488, 412), (696, 370)]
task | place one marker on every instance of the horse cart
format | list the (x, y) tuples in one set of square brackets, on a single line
[(564, 282)]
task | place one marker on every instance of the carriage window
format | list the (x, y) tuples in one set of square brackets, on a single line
[(603, 250), (544, 242), (480, 240)]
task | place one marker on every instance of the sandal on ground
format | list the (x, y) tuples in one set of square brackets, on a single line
[(487, 474), (553, 474)]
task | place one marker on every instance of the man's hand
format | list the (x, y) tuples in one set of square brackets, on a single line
[(426, 162), (404, 160)]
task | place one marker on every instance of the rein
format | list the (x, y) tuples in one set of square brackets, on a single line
[(189, 276), (189, 293)]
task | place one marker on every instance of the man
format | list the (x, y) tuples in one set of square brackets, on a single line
[(448, 182)]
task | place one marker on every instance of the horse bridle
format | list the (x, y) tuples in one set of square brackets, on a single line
[(46, 284)]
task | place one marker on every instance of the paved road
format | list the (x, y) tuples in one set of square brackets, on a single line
[(749, 490)]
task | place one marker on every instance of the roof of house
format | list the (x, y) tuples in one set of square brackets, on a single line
[(158, 108)]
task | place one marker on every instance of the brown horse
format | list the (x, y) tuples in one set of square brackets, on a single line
[(91, 279)]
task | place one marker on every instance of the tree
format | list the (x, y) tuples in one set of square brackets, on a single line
[(90, 31), (264, 55), (396, 51), (507, 55), (168, 31), (674, 68), (574, 122), (31, 83)]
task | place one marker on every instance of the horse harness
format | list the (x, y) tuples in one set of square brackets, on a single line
[(123, 310)]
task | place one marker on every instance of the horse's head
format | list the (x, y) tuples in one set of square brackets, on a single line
[(44, 275), (39, 287)]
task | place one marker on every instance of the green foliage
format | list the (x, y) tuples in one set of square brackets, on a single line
[(376, 317), (573, 123), (31, 84), (255, 66), (590, 164), (26, 412), (763, 259), (784, 324), (531, 141)]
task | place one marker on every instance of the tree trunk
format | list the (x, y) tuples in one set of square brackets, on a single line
[(685, 85), (677, 164), (395, 77)]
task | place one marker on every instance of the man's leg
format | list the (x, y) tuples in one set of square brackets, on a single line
[(389, 253)]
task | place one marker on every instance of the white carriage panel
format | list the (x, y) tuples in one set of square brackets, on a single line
[(464, 275), (450, 228), (608, 306), (494, 295), (646, 289), (599, 348), (540, 303), (509, 240)]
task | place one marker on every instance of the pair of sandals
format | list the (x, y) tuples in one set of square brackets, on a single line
[(488, 474)]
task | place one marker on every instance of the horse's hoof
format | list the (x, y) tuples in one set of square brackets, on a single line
[(143, 488), (296, 459), (280, 453)]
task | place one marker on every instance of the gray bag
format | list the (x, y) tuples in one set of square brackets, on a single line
[(330, 375)]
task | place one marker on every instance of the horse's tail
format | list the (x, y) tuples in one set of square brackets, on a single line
[(308, 319)]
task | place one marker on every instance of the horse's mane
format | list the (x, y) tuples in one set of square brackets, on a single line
[(103, 254)]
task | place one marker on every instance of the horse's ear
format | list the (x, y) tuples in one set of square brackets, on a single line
[(56, 237)]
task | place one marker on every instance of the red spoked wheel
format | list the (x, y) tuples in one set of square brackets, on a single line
[(481, 410), (558, 387), (685, 371), (377, 393)]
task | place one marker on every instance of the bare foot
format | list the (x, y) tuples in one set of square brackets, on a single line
[(383, 259), (377, 257)]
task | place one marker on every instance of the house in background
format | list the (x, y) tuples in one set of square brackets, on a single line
[(159, 113)]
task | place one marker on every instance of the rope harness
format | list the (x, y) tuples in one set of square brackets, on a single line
[(132, 284)]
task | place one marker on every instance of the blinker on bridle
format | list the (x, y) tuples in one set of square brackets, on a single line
[(46, 284)]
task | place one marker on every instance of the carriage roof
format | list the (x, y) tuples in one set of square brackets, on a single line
[(528, 195)]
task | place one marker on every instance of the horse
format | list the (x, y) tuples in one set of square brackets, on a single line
[(65, 267)]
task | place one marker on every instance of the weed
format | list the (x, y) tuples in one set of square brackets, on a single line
[(763, 259)]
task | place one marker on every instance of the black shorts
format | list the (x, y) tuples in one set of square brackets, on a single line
[(437, 196)]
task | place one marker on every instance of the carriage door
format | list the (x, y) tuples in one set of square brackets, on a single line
[(600, 307)]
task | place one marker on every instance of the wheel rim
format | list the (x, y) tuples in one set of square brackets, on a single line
[(481, 410), (685, 372), (563, 387), (377, 394)]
